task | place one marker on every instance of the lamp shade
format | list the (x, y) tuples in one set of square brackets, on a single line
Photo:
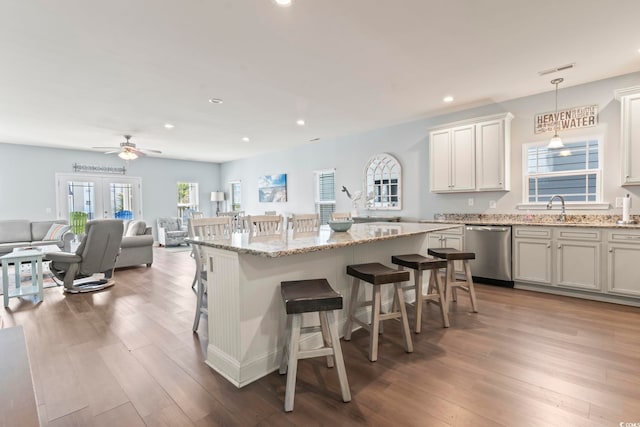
[(128, 155), (555, 142), (217, 196)]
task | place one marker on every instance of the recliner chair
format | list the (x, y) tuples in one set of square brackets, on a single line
[(96, 253)]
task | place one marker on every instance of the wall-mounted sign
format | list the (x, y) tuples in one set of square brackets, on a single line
[(571, 118)]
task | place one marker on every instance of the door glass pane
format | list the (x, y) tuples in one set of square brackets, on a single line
[(81, 198), (121, 200)]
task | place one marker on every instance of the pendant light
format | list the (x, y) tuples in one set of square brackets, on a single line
[(556, 141)]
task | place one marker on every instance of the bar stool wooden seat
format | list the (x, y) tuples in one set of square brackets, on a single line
[(377, 275), (435, 290), (451, 283), (307, 296)]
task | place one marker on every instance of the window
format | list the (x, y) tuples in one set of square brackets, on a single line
[(187, 199), (573, 172), (325, 194), (383, 179), (236, 195)]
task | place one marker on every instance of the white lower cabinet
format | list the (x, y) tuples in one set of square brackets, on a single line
[(623, 250), (558, 257), (453, 238), (578, 259), (532, 254)]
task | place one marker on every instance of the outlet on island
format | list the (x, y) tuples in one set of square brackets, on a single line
[(492, 204), (470, 201)]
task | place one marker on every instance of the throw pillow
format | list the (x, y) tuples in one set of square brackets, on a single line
[(136, 228), (56, 231)]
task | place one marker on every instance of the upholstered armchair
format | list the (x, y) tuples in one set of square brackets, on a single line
[(96, 253), (171, 232)]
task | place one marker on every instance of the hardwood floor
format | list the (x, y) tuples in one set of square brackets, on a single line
[(126, 356)]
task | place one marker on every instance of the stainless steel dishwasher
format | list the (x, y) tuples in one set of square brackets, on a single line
[(492, 246)]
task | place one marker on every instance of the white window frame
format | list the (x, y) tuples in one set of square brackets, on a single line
[(318, 202), (597, 204), (194, 192), (232, 200)]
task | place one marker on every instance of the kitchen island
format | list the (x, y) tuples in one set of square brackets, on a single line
[(246, 315)]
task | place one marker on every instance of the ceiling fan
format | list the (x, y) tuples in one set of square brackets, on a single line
[(128, 150)]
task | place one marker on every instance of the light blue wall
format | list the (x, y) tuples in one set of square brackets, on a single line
[(28, 189), (409, 143), (27, 186)]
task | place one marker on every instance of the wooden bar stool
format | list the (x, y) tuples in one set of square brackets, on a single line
[(377, 275), (435, 290), (451, 255), (307, 296)]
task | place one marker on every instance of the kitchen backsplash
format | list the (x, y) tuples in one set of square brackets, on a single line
[(523, 218)]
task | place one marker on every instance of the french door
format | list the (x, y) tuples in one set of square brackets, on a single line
[(98, 196)]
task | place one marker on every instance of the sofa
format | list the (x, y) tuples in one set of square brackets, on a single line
[(171, 232), (137, 245), (21, 233)]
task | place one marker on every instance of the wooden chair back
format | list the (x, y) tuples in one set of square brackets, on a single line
[(238, 220), (211, 228), (264, 225), (305, 223)]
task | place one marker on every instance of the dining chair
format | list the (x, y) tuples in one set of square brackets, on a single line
[(206, 229), (264, 225), (305, 222), (238, 222)]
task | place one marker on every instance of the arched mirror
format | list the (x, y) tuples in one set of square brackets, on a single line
[(383, 181)]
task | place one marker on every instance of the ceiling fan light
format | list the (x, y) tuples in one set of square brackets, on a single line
[(128, 155), (555, 142)]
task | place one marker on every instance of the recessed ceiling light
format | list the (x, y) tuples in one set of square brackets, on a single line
[(215, 101), (245, 139), (283, 3), (169, 126), (300, 122), (448, 98)]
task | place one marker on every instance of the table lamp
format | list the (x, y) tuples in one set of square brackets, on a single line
[(217, 196)]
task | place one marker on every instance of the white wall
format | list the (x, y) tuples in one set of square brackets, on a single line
[(27, 180), (409, 143)]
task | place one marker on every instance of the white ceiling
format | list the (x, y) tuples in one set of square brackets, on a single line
[(81, 73)]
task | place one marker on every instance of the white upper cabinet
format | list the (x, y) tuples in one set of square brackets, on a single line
[(492, 155), (470, 156), (454, 169), (630, 134)]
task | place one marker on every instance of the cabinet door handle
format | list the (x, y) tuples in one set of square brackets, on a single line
[(548, 245), (559, 246), (610, 251)]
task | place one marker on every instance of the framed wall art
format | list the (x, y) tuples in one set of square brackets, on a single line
[(272, 188)]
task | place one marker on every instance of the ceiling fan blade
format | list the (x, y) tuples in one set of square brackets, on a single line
[(105, 148), (112, 151), (148, 150)]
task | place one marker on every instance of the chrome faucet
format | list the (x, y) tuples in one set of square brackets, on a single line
[(563, 215)]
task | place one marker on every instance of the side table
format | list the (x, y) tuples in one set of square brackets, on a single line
[(32, 256)]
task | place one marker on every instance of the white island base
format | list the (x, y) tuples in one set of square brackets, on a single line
[(246, 313)]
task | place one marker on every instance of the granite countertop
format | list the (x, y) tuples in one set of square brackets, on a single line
[(297, 243), (584, 221)]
